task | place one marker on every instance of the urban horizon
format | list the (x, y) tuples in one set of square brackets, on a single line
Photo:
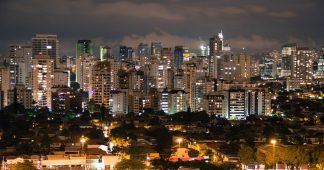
[(175, 84)]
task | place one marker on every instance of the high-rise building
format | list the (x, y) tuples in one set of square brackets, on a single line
[(214, 104), (101, 83), (166, 56), (125, 53), (179, 80), (152, 100), (119, 102), (20, 61), (135, 101), (61, 78), (42, 80), (105, 53), (216, 44), (178, 101), (233, 67), (286, 56), (258, 102), (215, 48), (178, 56), (302, 64), (136, 80), (84, 47), (21, 95), (143, 53), (5, 83), (114, 67), (46, 45), (164, 101), (186, 54), (197, 95), (84, 65), (66, 99), (236, 103), (320, 67), (156, 49)]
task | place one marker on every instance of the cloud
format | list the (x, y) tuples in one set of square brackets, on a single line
[(309, 42), (282, 14), (255, 42), (103, 9), (167, 40), (256, 8), (143, 11)]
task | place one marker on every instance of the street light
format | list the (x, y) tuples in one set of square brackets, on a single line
[(179, 140), (83, 140), (273, 142)]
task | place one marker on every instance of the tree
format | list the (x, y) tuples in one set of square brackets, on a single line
[(130, 164), (246, 154), (295, 156), (26, 165), (45, 143), (163, 138), (95, 134), (193, 153), (317, 156), (75, 86), (92, 107)]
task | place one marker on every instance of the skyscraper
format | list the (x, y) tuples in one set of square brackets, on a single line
[(101, 83), (125, 53), (84, 65), (286, 56), (20, 61), (105, 53), (5, 84), (46, 45), (302, 64), (216, 44), (236, 103), (215, 47), (143, 54), (178, 56), (156, 49), (42, 80), (84, 47)]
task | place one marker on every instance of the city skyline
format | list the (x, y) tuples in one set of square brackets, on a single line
[(173, 84), (256, 26)]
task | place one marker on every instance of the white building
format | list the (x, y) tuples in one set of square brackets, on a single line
[(84, 65), (42, 80)]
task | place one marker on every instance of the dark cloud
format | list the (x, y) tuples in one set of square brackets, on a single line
[(254, 24)]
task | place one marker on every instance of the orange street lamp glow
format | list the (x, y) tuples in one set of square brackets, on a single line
[(179, 140)]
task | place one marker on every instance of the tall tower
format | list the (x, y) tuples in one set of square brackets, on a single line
[(46, 45), (156, 49), (286, 56), (178, 56), (216, 44), (4, 84), (302, 64), (20, 61), (101, 83), (84, 47), (42, 80), (105, 53), (84, 65), (125, 53), (215, 47)]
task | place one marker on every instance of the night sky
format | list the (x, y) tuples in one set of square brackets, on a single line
[(257, 25)]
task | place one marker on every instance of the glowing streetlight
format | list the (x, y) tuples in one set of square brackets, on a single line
[(179, 140), (83, 140), (273, 142)]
